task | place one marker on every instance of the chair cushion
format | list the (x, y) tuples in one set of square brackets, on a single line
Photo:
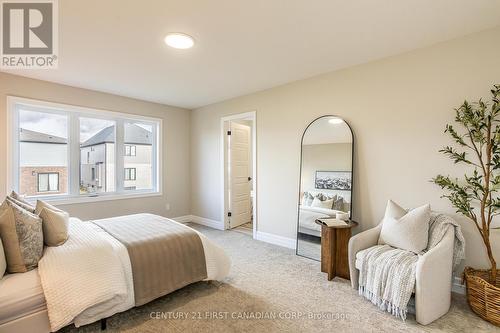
[(357, 264), (405, 230)]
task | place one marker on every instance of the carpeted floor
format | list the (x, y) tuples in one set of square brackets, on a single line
[(266, 282)]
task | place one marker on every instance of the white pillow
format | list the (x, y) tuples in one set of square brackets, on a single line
[(307, 199), (322, 204), (405, 230)]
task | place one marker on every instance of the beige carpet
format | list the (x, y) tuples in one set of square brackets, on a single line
[(271, 281)]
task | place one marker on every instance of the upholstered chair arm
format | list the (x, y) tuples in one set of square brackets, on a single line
[(361, 241), (433, 280)]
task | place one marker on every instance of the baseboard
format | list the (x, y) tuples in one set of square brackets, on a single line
[(219, 225), (457, 286), (276, 240), (183, 219)]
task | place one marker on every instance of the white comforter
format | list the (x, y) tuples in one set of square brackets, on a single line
[(308, 216), (89, 277)]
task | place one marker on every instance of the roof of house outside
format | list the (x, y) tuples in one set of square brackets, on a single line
[(38, 137), (134, 134)]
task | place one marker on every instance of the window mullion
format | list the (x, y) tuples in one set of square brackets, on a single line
[(119, 152), (74, 154), (154, 160), (14, 136)]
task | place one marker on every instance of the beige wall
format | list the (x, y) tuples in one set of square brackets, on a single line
[(176, 124), (397, 107), (324, 157)]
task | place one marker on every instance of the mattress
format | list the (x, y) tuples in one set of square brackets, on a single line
[(21, 294)]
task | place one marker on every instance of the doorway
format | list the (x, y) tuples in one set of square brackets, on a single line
[(238, 157)]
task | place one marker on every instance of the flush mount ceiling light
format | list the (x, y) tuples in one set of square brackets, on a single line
[(335, 121), (179, 40)]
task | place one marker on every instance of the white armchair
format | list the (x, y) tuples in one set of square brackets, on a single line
[(433, 275)]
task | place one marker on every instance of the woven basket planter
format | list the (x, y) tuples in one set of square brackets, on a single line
[(483, 297)]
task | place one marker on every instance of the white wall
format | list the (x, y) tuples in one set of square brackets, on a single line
[(397, 107), (142, 162), (325, 157), (42, 154), (176, 136)]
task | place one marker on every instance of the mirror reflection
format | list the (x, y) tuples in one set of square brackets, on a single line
[(325, 180)]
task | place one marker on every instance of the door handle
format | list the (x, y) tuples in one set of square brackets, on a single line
[(249, 178)]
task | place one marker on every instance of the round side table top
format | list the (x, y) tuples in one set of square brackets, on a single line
[(349, 224)]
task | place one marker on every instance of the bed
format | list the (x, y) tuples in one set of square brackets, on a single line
[(309, 214), (106, 267), (307, 217)]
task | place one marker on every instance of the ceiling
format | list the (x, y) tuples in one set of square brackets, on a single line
[(241, 47)]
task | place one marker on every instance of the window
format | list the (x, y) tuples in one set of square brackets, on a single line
[(130, 150), (130, 174), (77, 152), (97, 143), (48, 182), (139, 156), (43, 150)]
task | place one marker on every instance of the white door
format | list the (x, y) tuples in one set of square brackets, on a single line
[(239, 175)]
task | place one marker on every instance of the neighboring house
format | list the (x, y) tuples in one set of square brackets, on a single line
[(43, 163), (97, 158)]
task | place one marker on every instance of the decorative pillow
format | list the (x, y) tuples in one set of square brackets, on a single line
[(55, 226), (21, 204), (3, 206), (42, 204), (322, 204), (3, 262), (338, 203), (307, 199), (405, 230), (22, 238), (18, 197)]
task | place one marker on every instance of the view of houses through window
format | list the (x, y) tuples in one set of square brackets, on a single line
[(44, 151), (138, 156), (97, 155)]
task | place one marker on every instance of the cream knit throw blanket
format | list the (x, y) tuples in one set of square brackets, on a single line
[(387, 275)]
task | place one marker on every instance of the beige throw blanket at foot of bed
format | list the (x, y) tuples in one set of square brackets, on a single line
[(159, 249)]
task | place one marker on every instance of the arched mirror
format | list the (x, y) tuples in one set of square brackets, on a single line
[(326, 182)]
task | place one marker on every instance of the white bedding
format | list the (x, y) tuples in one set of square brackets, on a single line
[(89, 277), (308, 215)]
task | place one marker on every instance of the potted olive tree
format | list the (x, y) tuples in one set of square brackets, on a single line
[(477, 195)]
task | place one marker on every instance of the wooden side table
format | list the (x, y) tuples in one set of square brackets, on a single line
[(334, 251)]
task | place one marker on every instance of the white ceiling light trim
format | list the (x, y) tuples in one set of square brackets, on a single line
[(179, 40)]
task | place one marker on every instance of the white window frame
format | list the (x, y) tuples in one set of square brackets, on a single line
[(73, 113)]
